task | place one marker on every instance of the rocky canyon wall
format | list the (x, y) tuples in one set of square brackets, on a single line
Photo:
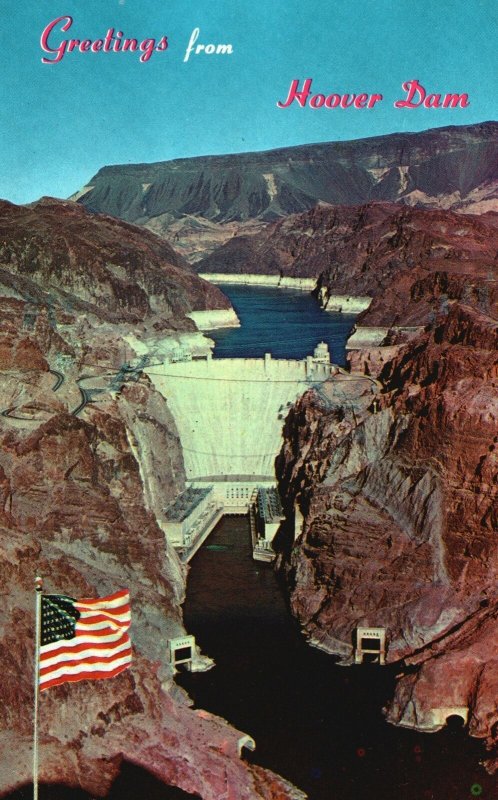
[(400, 521), (89, 457), (411, 262)]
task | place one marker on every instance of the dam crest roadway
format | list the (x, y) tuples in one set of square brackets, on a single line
[(229, 413)]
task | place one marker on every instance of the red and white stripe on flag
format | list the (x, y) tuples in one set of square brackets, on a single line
[(100, 647)]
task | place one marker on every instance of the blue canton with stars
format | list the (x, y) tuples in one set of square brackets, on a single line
[(58, 619)]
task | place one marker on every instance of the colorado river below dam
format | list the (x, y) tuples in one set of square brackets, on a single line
[(318, 724)]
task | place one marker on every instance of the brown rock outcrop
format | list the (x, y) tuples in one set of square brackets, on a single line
[(412, 262), (400, 521), (55, 252), (75, 509)]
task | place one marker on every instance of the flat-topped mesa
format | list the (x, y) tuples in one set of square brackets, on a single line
[(422, 168)]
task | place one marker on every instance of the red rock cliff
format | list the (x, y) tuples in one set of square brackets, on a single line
[(410, 261), (400, 521)]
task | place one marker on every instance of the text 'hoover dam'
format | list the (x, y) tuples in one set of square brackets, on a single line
[(229, 414)]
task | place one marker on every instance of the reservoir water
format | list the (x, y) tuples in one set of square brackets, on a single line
[(284, 322)]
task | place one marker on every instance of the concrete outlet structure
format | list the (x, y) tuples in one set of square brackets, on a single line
[(181, 651), (191, 517), (370, 642)]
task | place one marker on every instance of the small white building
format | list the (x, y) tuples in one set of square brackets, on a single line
[(180, 354), (181, 651), (318, 366), (370, 645), (321, 354)]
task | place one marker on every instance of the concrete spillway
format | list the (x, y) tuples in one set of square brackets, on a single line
[(229, 412)]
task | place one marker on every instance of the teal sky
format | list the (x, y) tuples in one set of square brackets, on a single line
[(59, 123)]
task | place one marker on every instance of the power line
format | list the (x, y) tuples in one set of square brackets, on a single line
[(310, 382), (229, 455), (229, 380)]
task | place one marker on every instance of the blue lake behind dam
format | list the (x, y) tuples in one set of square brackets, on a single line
[(287, 323)]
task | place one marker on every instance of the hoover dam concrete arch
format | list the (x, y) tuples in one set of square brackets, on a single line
[(229, 412), (229, 415)]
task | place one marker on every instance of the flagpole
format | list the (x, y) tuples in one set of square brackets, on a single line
[(38, 589)]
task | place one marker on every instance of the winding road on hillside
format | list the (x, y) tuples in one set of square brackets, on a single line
[(115, 381)]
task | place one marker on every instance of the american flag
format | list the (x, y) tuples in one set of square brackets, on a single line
[(84, 639)]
